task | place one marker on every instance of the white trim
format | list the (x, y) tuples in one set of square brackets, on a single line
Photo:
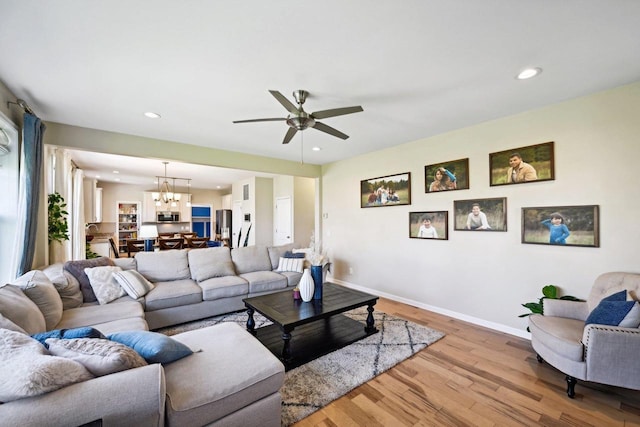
[(460, 316)]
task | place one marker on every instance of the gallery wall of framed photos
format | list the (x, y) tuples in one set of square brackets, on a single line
[(513, 166)]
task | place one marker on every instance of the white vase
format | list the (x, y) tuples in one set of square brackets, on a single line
[(306, 286)]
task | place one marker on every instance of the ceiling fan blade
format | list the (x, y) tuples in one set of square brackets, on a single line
[(331, 131), (336, 112), (284, 101), (289, 136), (277, 119)]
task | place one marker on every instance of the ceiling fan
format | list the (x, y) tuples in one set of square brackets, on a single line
[(298, 119)]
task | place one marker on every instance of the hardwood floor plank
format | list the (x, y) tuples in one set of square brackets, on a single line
[(474, 377)]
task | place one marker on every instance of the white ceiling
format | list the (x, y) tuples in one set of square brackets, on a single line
[(417, 67)]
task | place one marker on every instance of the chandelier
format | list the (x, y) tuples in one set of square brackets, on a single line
[(167, 192)]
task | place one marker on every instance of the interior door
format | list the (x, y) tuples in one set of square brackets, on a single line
[(284, 221), (236, 222)]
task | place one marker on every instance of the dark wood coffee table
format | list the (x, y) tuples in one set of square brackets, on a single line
[(320, 328)]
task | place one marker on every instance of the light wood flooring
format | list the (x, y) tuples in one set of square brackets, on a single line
[(474, 377)]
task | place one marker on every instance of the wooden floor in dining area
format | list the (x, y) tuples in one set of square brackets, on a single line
[(474, 376)]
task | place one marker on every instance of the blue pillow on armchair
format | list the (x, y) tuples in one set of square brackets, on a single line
[(625, 314)]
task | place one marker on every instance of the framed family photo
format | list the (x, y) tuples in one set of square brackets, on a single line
[(392, 190), (429, 225), (523, 164), (452, 175), (480, 214), (561, 226)]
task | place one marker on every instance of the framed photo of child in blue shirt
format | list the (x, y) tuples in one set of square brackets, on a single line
[(561, 226)]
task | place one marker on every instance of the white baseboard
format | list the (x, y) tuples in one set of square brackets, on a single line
[(460, 316)]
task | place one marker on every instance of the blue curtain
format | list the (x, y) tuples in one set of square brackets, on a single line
[(31, 173)]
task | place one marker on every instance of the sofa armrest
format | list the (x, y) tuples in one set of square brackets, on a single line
[(611, 354), (132, 397), (565, 308)]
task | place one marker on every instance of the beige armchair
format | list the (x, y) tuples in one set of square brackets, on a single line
[(598, 353)]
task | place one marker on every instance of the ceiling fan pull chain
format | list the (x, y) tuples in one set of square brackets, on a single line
[(301, 148)]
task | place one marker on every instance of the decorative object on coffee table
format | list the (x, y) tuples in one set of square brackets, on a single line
[(296, 293), (306, 286), (316, 274)]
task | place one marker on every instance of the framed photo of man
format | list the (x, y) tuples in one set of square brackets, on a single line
[(392, 190), (429, 225), (480, 214), (522, 165), (452, 175), (561, 226)]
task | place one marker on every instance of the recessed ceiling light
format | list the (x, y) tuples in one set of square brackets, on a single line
[(97, 176), (117, 179), (116, 171), (528, 73), (316, 148), (217, 186), (152, 115)]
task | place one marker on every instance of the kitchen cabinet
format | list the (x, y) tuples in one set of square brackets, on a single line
[(128, 223), (92, 201), (185, 211), (148, 207), (101, 248)]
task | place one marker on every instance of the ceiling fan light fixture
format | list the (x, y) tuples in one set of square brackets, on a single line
[(301, 122)]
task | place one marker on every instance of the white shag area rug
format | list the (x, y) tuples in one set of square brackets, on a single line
[(313, 385)]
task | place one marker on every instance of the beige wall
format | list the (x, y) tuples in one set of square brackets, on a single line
[(485, 276)]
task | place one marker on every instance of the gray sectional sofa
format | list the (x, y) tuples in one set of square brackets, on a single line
[(229, 380)]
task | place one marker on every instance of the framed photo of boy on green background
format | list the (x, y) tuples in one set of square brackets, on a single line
[(480, 214), (561, 226), (429, 225), (522, 165)]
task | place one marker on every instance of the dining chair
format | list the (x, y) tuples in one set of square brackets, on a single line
[(134, 246), (175, 243), (197, 242)]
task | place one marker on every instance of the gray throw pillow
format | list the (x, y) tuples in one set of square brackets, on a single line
[(37, 286), (17, 307), (76, 268), (67, 286)]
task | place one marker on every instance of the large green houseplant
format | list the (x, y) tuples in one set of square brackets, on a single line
[(58, 226)]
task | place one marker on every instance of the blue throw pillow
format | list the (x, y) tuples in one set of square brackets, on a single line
[(616, 313), (68, 334), (289, 254), (152, 346), (618, 296)]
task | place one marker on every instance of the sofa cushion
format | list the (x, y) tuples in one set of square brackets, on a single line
[(126, 263), (152, 346), (76, 268), (99, 356), (37, 286), (26, 370), (67, 334), (251, 258), (559, 333), (223, 287), (173, 294), (196, 399), (616, 312), (66, 284), (104, 285), (95, 315), (293, 278), (163, 266), (276, 252), (264, 281), (210, 262), (17, 307), (134, 283)]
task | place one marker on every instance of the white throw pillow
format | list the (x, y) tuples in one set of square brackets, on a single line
[(291, 264), (134, 283), (99, 356), (26, 370), (103, 284)]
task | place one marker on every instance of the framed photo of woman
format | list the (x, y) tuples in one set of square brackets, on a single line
[(446, 176)]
